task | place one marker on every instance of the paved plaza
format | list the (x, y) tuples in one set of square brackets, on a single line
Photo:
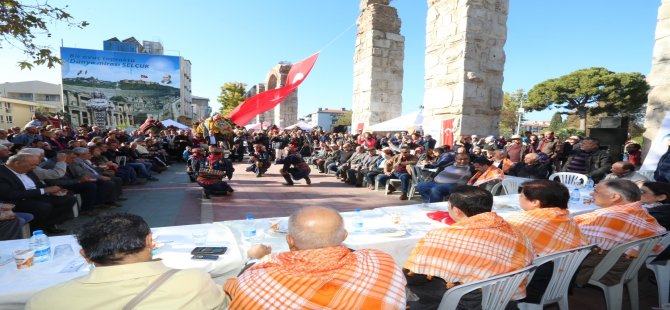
[(175, 201)]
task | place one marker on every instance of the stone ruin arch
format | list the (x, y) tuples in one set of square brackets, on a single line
[(286, 113)]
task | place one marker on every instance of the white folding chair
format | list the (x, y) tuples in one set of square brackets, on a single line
[(661, 270), (511, 186), (570, 178), (496, 291), (396, 184), (565, 266), (649, 174), (613, 294)]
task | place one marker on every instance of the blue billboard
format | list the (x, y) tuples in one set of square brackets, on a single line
[(113, 89)]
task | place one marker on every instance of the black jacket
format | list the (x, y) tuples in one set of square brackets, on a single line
[(12, 189)]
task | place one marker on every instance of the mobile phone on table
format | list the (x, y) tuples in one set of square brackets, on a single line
[(207, 250), (207, 257)]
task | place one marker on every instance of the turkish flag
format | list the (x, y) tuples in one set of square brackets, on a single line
[(269, 99), (448, 132)]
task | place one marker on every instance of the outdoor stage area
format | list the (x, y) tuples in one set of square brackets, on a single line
[(175, 201)]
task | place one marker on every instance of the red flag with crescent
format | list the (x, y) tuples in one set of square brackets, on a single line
[(448, 132), (269, 99)]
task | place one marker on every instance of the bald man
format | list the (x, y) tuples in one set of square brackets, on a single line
[(531, 168), (318, 272)]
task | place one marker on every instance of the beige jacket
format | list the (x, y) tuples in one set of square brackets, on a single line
[(113, 287)]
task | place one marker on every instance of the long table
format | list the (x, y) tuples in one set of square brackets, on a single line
[(378, 232)]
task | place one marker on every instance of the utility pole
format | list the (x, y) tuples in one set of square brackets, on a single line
[(520, 112)]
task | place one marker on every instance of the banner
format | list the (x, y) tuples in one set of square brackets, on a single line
[(109, 88), (448, 132), (267, 100)]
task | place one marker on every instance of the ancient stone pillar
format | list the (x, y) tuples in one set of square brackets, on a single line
[(658, 100), (286, 112), (378, 64), (464, 65)]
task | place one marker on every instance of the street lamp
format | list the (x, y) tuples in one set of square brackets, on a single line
[(520, 111)]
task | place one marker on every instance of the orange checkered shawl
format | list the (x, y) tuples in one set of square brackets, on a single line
[(492, 173), (472, 249), (328, 278), (549, 229), (611, 226)]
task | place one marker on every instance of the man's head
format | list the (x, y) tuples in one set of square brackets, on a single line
[(516, 139), (34, 151), (4, 151), (315, 228), (615, 192), (82, 153), (360, 149), (481, 164), (372, 152), (621, 168), (549, 135), (499, 155), (347, 146), (531, 159), (466, 201), (462, 160), (590, 145), (543, 194), (23, 163), (115, 239)]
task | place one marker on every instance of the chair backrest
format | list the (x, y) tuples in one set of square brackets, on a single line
[(511, 186), (665, 242), (565, 266), (644, 245), (416, 174), (497, 190), (649, 174), (496, 291), (570, 178)]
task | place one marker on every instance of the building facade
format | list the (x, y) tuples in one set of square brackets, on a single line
[(325, 118), (200, 108), (20, 100)]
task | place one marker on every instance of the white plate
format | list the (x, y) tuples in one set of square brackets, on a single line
[(390, 232)]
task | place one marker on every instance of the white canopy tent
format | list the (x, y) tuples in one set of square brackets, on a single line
[(257, 126), (409, 121), (169, 122), (302, 125)]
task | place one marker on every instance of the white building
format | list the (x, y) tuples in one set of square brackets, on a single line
[(325, 118)]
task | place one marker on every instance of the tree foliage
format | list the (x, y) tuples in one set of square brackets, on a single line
[(509, 115), (232, 94), (344, 119), (556, 122), (591, 91), (20, 24)]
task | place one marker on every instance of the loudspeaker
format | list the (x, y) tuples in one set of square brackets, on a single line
[(611, 139), (614, 122)]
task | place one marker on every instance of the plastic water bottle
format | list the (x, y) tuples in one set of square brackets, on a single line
[(589, 185), (249, 228), (40, 243), (358, 220), (575, 196)]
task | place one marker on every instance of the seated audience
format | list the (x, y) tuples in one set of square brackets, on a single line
[(478, 246), (589, 159), (656, 198), (662, 173), (379, 167), (318, 272), (531, 168), (499, 160), (119, 246), (50, 205), (620, 219), (452, 176), (353, 161), (546, 221), (109, 188), (356, 174), (626, 171), (396, 168)]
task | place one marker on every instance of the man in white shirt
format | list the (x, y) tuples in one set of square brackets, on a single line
[(625, 170)]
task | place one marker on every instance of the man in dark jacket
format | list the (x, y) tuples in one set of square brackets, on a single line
[(589, 159), (662, 173)]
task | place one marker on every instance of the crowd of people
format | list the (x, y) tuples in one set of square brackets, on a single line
[(319, 272)]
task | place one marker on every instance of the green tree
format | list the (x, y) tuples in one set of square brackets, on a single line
[(21, 23), (556, 123), (591, 91), (344, 119), (509, 115), (232, 94)]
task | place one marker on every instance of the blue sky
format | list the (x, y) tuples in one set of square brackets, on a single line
[(241, 40)]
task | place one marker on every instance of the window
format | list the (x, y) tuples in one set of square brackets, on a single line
[(2, 119), (52, 98), (32, 109), (9, 119)]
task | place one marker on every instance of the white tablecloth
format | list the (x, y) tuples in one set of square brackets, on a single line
[(17, 286)]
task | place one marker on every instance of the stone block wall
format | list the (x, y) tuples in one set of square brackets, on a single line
[(378, 64), (464, 64), (658, 102)]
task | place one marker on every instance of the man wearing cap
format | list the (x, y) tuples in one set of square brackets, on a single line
[(294, 167), (515, 149)]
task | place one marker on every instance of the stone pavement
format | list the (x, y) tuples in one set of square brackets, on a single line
[(175, 201)]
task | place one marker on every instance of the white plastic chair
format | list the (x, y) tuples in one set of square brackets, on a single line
[(396, 184), (661, 270), (613, 294), (649, 174), (565, 266), (496, 291), (570, 178), (508, 186)]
